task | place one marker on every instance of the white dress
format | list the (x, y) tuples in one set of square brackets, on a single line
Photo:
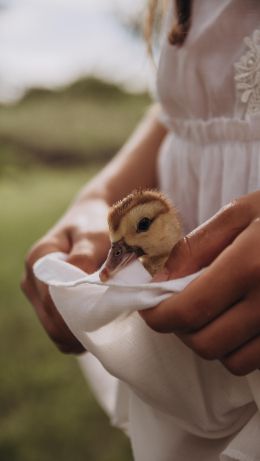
[(209, 91)]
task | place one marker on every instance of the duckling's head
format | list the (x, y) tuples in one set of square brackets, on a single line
[(143, 225)]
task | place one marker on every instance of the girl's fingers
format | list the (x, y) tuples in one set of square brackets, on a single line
[(52, 321), (83, 256), (38, 295), (228, 332), (224, 283), (88, 253), (202, 246), (50, 318), (35, 290), (245, 359)]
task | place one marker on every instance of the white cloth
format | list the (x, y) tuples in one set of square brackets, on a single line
[(174, 405), (103, 318), (103, 302)]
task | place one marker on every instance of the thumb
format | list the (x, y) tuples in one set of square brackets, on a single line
[(88, 254), (199, 248)]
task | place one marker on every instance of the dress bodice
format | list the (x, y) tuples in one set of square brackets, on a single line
[(216, 73)]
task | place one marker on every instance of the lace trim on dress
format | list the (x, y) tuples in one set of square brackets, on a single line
[(247, 75)]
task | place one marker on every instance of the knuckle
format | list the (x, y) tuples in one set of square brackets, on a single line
[(201, 347), (235, 366), (45, 245), (34, 253), (234, 209), (255, 228), (98, 235), (256, 223), (73, 230), (242, 206), (189, 254), (169, 316), (191, 317), (183, 320), (152, 321), (83, 262)]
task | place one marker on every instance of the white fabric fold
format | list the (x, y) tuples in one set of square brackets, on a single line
[(159, 385), (99, 303)]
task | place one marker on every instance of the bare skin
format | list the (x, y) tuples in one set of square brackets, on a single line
[(82, 232), (218, 315)]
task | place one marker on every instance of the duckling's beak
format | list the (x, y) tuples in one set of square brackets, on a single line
[(120, 254)]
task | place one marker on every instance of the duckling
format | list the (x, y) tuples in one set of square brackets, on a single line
[(143, 225)]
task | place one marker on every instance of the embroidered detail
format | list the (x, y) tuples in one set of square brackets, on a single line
[(247, 76)]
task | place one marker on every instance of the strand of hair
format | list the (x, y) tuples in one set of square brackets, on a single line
[(180, 29)]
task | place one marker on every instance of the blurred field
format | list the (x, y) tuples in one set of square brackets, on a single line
[(87, 121), (47, 412)]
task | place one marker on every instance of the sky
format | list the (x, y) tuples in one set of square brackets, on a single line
[(52, 42)]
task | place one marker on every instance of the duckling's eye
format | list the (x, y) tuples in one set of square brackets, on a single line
[(144, 225)]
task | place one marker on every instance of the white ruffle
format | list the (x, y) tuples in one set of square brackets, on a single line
[(215, 130)]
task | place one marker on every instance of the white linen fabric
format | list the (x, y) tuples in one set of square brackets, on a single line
[(174, 405), (146, 400)]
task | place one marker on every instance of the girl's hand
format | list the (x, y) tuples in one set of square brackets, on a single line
[(82, 234), (218, 314)]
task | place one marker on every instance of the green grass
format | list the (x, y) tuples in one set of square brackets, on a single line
[(47, 411), (88, 120)]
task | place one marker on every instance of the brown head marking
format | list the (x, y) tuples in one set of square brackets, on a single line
[(137, 197)]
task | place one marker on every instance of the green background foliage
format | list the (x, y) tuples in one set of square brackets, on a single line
[(50, 144), (86, 122)]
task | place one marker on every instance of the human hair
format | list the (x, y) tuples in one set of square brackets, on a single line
[(181, 26)]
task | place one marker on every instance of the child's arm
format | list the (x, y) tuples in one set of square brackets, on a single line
[(82, 231), (218, 315)]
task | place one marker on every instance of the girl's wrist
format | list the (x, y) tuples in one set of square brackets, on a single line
[(90, 193)]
